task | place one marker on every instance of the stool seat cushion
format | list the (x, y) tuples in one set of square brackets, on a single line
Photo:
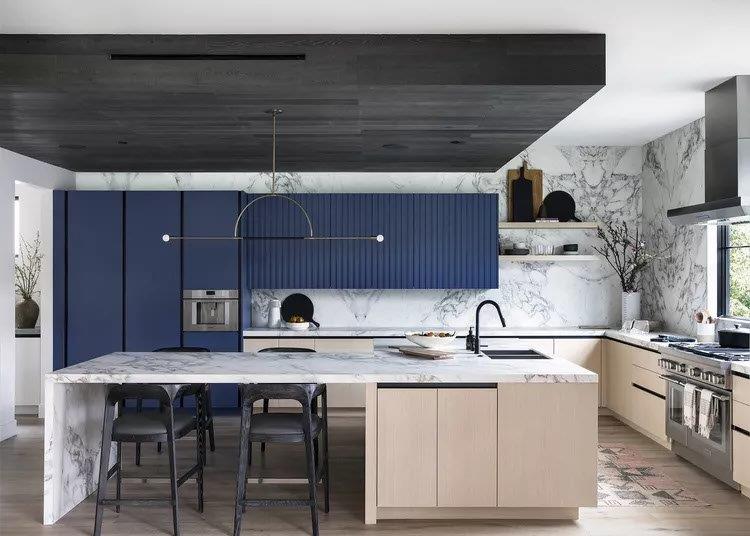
[(281, 424), (150, 423)]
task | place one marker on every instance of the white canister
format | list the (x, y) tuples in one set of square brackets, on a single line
[(274, 313), (705, 332)]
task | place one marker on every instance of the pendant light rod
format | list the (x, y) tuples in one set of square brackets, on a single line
[(311, 236)]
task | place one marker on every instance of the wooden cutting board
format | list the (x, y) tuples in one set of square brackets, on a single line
[(427, 353), (536, 176)]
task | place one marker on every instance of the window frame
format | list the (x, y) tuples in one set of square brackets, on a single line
[(722, 270)]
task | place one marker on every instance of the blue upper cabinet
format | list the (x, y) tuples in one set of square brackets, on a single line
[(152, 271), (94, 273), (210, 264), (431, 241)]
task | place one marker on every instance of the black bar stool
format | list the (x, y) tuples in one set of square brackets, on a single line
[(208, 410), (149, 427), (284, 428), (288, 350)]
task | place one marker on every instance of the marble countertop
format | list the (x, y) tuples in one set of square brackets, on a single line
[(383, 365), (387, 332), (742, 367)]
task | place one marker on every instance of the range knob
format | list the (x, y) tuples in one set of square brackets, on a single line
[(719, 379), (708, 376), (683, 367), (695, 372)]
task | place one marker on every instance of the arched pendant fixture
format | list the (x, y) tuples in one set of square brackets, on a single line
[(309, 236)]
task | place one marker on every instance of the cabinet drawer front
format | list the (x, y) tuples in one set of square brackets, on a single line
[(741, 389), (645, 359), (648, 413), (741, 415), (741, 458), (649, 380), (467, 447), (343, 345), (253, 345), (407, 447)]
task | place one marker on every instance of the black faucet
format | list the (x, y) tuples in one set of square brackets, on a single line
[(476, 329)]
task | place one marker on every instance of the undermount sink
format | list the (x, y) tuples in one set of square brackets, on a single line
[(514, 354)]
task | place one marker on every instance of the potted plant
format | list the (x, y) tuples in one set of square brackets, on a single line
[(28, 268), (627, 254)]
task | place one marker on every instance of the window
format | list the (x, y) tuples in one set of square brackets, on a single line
[(17, 225), (734, 270)]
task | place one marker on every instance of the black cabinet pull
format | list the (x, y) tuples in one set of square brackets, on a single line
[(649, 391), (740, 430)]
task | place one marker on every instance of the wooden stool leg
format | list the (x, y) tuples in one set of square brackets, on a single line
[(109, 414), (119, 475), (311, 478), (173, 472), (326, 466), (242, 465), (265, 410)]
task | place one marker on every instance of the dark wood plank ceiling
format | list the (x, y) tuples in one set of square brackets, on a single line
[(351, 102)]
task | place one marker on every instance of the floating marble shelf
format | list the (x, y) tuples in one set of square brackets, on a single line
[(548, 225), (548, 258)]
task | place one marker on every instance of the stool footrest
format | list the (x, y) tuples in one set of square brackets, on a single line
[(137, 502), (270, 503)]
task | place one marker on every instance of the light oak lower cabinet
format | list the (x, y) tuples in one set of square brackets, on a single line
[(407, 447), (467, 447), (648, 403), (741, 441), (618, 370), (547, 445), (584, 352)]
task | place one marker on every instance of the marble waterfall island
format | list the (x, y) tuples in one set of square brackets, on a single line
[(519, 405)]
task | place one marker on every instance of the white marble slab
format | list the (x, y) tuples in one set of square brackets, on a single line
[(743, 367), (380, 366)]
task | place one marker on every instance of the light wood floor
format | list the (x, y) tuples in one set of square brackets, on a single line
[(21, 495)]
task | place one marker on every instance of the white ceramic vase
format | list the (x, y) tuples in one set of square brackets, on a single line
[(631, 306)]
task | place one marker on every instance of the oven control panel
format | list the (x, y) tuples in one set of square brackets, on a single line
[(707, 376)]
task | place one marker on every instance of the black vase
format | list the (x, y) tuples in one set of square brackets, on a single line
[(27, 313)]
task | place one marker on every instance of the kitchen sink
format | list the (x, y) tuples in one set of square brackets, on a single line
[(514, 354)]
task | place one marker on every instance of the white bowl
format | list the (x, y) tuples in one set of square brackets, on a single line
[(298, 326), (433, 341)]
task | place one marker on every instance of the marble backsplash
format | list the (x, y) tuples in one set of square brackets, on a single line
[(673, 176), (604, 181)]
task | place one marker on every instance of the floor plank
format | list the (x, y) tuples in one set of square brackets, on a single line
[(21, 467)]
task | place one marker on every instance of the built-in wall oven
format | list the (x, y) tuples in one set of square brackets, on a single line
[(706, 374), (210, 310)]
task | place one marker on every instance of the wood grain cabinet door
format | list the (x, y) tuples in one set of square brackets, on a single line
[(584, 352), (547, 445), (467, 447), (407, 447)]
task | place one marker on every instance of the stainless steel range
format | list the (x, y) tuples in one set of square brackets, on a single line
[(706, 367)]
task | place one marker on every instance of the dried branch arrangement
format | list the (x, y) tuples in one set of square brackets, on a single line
[(625, 252), (28, 267)]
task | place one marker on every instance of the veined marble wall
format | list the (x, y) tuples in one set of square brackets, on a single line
[(604, 181), (673, 176)]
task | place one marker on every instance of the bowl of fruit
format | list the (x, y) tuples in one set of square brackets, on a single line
[(298, 323), (432, 339)]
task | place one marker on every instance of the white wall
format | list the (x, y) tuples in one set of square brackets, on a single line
[(15, 167)]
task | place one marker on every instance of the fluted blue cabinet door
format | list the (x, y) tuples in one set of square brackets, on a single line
[(153, 293), (94, 274), (59, 263), (437, 241)]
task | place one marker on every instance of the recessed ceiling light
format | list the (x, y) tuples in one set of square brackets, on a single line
[(457, 142), (121, 142), (71, 146), (394, 146)]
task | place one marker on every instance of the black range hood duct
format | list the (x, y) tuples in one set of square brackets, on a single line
[(727, 158)]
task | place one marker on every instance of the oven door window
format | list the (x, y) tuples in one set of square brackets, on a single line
[(675, 400), (718, 438)]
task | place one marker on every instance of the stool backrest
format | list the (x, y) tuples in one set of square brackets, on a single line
[(178, 349), (288, 350), (303, 393)]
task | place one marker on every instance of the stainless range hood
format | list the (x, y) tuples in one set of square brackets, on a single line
[(727, 158)]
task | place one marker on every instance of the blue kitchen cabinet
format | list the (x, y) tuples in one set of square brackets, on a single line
[(153, 291), (432, 241), (59, 283), (212, 264), (93, 274)]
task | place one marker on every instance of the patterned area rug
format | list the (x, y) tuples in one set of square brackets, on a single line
[(625, 479)]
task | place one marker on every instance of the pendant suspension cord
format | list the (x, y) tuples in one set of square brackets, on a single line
[(274, 113)]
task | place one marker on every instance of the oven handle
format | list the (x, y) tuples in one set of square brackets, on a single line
[(721, 398)]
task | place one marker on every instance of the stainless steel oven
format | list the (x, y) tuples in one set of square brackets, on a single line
[(714, 453), (210, 310)]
